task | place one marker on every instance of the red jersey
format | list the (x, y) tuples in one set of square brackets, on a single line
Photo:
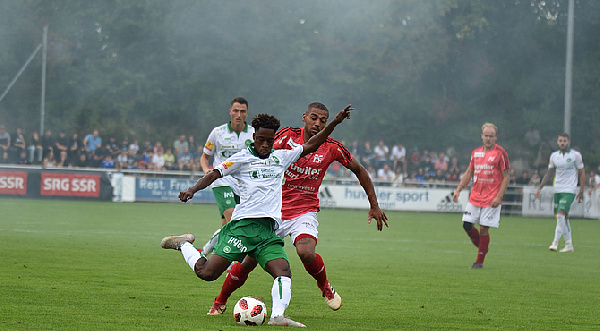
[(487, 174), (302, 179)]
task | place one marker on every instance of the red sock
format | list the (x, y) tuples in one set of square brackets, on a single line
[(236, 277), (483, 248), (474, 235), (317, 269)]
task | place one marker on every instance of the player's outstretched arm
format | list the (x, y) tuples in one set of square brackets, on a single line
[(202, 183), (315, 141), (365, 181)]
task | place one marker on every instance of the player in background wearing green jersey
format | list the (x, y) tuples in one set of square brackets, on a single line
[(222, 142), (565, 164)]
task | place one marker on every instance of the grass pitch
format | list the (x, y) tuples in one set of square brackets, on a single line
[(68, 265)]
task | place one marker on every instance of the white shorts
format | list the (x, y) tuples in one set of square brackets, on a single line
[(486, 216), (303, 224)]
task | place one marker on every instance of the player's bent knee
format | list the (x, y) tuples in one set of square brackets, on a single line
[(209, 277), (278, 267), (205, 277), (467, 226), (206, 273)]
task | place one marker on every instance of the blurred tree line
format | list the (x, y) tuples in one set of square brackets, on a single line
[(422, 73)]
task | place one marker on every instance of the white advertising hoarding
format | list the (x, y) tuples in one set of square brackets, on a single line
[(393, 198), (544, 206)]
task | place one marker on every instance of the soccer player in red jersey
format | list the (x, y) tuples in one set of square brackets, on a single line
[(490, 170), (301, 204)]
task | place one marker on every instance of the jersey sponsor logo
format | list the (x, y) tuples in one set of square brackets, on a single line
[(304, 188), (228, 150), (259, 163), (491, 159), (248, 142), (276, 159), (227, 164), (483, 166), (227, 154), (237, 244), (305, 171), (479, 154), (290, 174), (209, 145), (318, 158), (264, 174)]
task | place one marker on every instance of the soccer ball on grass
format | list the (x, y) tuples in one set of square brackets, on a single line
[(250, 311)]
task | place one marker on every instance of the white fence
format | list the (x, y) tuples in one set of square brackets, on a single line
[(432, 197)]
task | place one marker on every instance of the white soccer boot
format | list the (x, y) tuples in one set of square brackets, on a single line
[(175, 242), (332, 299), (282, 320), (567, 249)]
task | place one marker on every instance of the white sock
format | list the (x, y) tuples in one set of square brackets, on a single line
[(281, 294), (210, 245), (190, 254), (560, 226), (567, 233)]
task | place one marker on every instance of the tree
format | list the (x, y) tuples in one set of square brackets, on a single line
[(423, 73)]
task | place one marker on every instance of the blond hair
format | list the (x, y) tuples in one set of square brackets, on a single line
[(488, 124)]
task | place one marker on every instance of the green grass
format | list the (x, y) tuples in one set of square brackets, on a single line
[(68, 265)]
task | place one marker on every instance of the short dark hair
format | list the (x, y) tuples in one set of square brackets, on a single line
[(239, 100), (566, 135), (265, 121), (317, 105)]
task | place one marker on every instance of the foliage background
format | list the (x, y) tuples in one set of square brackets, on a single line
[(424, 73)]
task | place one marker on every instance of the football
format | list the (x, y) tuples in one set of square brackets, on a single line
[(250, 311)]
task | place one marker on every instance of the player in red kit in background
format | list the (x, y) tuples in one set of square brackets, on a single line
[(490, 170), (301, 204)]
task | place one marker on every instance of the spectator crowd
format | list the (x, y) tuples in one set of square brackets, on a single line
[(388, 165), (92, 151)]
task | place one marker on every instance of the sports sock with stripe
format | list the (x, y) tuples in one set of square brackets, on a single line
[(281, 294)]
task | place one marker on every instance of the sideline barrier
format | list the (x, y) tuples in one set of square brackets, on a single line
[(544, 206), (22, 182), (163, 189), (101, 184), (393, 198), (337, 196)]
